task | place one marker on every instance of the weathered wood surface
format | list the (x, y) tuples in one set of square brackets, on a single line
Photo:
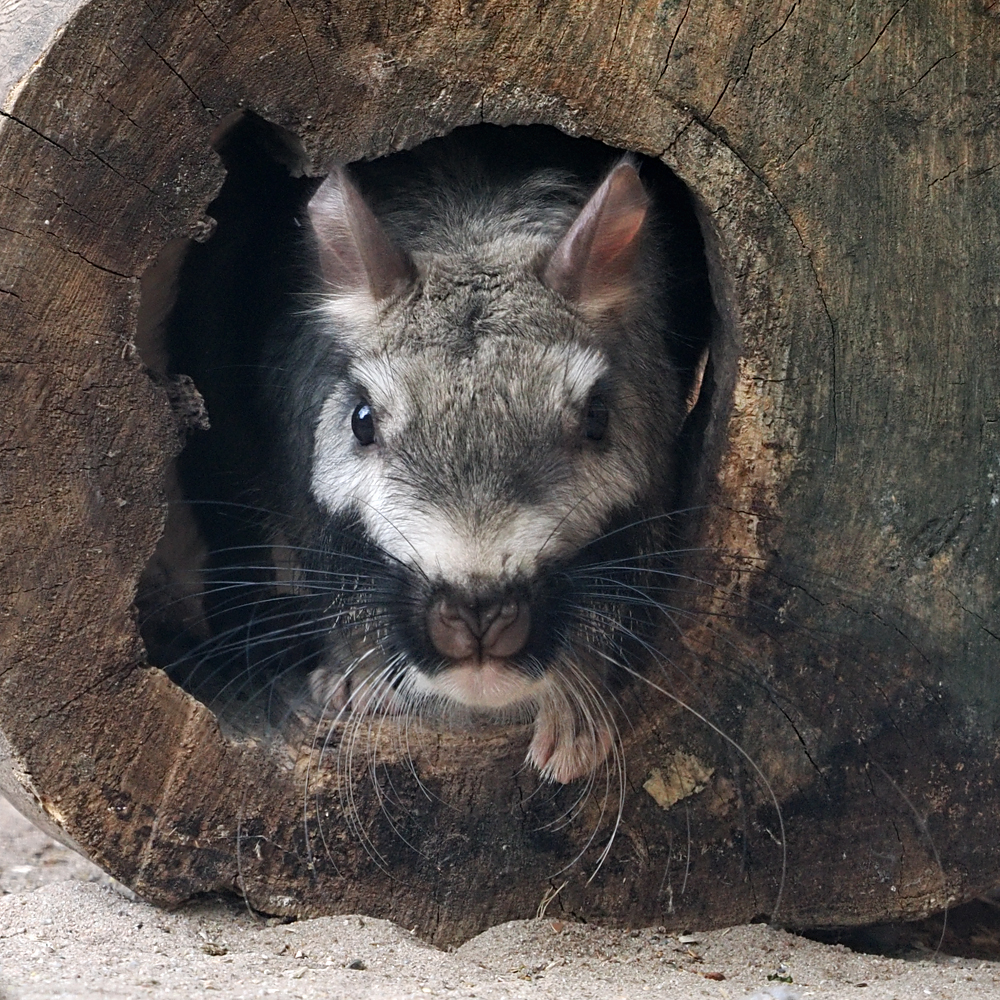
[(846, 163)]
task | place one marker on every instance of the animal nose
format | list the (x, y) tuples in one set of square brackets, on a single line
[(460, 629)]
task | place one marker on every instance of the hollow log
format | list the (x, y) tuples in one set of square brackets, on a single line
[(821, 748)]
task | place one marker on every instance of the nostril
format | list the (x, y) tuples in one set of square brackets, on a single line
[(453, 629), (461, 629), (476, 619), (508, 632)]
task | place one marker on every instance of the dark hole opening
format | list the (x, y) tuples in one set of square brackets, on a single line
[(210, 308)]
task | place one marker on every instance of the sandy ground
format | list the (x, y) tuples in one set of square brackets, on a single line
[(66, 931)]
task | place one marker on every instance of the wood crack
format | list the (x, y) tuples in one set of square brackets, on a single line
[(618, 24), (812, 134), (902, 635), (15, 192), (878, 37), (718, 100), (41, 135), (61, 708), (305, 47), (670, 48), (118, 173), (979, 618), (124, 114), (937, 62), (755, 46), (213, 25), (100, 267), (951, 173), (799, 737), (976, 174), (179, 76), (15, 232)]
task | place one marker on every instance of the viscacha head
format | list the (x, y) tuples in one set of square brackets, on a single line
[(493, 456)]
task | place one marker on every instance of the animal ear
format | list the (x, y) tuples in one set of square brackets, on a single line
[(694, 392), (594, 262), (356, 254)]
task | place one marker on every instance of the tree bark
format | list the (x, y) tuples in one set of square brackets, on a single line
[(842, 635)]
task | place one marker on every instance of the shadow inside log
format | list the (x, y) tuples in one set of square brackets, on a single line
[(971, 930)]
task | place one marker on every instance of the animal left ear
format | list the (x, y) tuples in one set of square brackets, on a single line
[(355, 252), (594, 263)]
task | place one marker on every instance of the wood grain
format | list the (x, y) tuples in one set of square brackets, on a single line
[(845, 163)]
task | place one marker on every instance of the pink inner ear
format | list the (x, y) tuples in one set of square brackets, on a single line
[(355, 252), (593, 263), (615, 236)]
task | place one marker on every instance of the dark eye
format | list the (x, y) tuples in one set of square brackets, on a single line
[(596, 421), (363, 423)]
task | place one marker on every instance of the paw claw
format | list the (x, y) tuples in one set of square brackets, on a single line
[(562, 754)]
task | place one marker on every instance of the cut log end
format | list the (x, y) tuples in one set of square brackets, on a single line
[(819, 748)]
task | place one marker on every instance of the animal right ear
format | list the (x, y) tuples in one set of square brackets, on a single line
[(355, 253), (594, 263)]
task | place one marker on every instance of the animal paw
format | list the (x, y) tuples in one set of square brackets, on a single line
[(560, 752)]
